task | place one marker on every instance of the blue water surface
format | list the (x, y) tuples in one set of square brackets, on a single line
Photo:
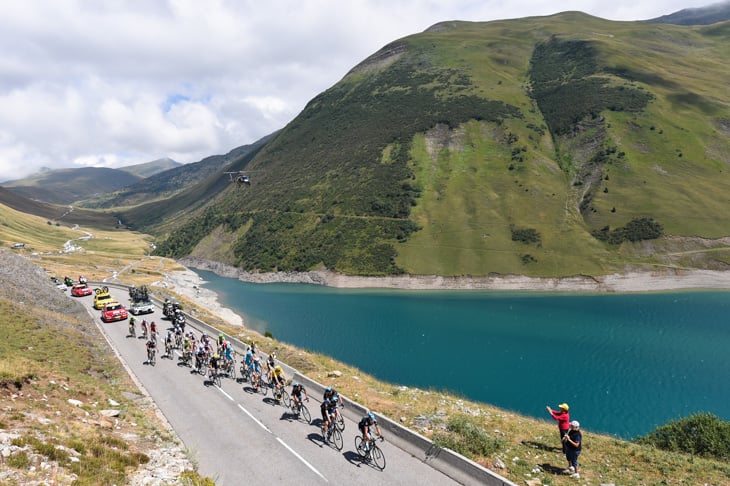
[(624, 362)]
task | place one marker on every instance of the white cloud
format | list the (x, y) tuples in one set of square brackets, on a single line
[(112, 83)]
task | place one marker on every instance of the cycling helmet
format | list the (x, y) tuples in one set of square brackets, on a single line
[(216, 356), (371, 415), (329, 388), (296, 383)]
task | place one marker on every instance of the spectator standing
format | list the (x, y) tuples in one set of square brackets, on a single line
[(573, 441), (562, 416)]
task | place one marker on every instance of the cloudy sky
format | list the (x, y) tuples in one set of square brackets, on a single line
[(114, 82)]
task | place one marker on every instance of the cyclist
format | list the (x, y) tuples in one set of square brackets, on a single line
[(132, 331), (365, 425), (327, 408), (200, 353), (278, 378), (296, 393), (151, 347), (153, 329), (228, 354), (168, 343), (256, 371), (271, 363), (215, 363), (220, 342), (187, 347), (331, 394), (144, 328)]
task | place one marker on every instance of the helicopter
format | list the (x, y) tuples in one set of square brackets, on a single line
[(239, 178)]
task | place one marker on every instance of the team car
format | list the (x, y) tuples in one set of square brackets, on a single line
[(141, 307), (101, 297), (81, 290), (113, 311)]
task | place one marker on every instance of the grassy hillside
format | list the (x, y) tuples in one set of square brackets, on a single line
[(55, 215), (544, 146)]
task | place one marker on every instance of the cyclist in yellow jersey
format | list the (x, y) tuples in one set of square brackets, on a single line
[(279, 379)]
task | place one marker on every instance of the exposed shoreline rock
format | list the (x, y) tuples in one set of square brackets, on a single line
[(633, 281)]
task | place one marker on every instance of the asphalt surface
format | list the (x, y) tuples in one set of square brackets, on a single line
[(237, 436)]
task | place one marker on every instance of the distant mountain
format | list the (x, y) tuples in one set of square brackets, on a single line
[(718, 12), (66, 186), (151, 168), (164, 185), (544, 146), (65, 215)]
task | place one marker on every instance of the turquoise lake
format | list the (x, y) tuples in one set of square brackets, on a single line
[(624, 362)]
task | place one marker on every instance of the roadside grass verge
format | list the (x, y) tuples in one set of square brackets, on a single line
[(56, 375)]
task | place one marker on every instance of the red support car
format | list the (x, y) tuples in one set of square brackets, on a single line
[(81, 290), (113, 311)]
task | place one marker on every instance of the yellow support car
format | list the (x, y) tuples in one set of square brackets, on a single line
[(101, 297)]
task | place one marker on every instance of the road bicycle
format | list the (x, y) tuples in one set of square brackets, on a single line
[(370, 451), (187, 358), (229, 368), (168, 349), (282, 397), (333, 436), (245, 372), (151, 356), (260, 385), (300, 410), (214, 377)]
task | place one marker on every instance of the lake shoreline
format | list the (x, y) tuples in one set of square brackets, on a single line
[(633, 281)]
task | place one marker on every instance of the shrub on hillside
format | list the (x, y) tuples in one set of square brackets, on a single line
[(467, 438), (702, 434), (526, 235), (635, 230)]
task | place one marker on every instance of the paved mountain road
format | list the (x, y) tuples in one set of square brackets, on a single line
[(238, 437)]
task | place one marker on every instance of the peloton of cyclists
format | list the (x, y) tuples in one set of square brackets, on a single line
[(365, 425)]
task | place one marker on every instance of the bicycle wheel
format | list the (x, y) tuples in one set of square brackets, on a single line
[(337, 438), (232, 371), (304, 413), (263, 387), (358, 447), (378, 457), (284, 398)]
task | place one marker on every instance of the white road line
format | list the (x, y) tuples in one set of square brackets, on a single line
[(226, 394), (302, 459), (254, 418)]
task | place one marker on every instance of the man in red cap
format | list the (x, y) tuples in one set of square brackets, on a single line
[(563, 418)]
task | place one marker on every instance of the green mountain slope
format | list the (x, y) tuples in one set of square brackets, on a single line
[(543, 146)]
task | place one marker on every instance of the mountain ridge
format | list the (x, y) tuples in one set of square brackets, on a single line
[(462, 150)]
